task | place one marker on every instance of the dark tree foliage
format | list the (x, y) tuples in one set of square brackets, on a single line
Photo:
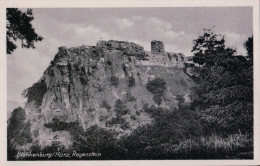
[(92, 140), (130, 97), (18, 131), (123, 124), (169, 128), (120, 108), (36, 92), (114, 80), (109, 62), (131, 81), (180, 99), (208, 45), (58, 125), (105, 105), (157, 98), (173, 134), (15, 122), (19, 26), (97, 140), (133, 117), (157, 88), (225, 89), (249, 46)]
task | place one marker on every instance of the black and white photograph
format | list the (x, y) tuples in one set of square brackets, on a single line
[(130, 83)]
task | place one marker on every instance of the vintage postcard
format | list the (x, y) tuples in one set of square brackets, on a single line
[(133, 82)]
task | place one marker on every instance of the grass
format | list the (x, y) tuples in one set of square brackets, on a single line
[(236, 146)]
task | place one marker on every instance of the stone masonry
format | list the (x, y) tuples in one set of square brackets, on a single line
[(157, 47)]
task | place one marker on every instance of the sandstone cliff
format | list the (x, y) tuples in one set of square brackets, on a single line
[(91, 84)]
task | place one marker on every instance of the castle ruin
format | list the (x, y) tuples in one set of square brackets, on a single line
[(157, 47), (157, 57)]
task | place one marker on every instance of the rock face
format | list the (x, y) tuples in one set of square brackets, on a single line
[(90, 84)]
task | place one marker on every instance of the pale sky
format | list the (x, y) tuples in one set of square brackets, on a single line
[(176, 27)]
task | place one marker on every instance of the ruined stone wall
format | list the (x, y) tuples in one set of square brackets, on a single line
[(128, 48), (164, 59), (119, 45)]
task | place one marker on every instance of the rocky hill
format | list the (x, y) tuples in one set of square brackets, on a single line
[(103, 85)]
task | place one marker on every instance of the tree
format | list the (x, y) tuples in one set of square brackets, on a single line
[(249, 48), (36, 92), (120, 108), (157, 87), (18, 132), (114, 80), (224, 88), (207, 46), (19, 27), (131, 81)]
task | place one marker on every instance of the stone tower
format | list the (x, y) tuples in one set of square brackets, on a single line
[(157, 47)]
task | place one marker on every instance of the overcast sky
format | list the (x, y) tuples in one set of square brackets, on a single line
[(176, 27)]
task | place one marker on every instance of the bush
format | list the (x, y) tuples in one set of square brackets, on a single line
[(124, 68), (36, 92), (109, 62), (100, 89), (120, 108), (131, 81), (91, 110), (57, 125), (84, 80), (129, 59), (94, 66), (129, 97), (180, 99), (105, 105), (102, 118), (114, 80), (169, 127), (157, 98), (17, 128), (145, 106), (118, 121), (153, 111), (133, 117), (96, 140), (156, 86)]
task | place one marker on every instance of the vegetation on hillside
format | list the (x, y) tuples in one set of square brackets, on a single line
[(131, 81), (120, 108), (174, 134), (105, 105), (114, 80), (36, 92), (157, 87), (224, 90), (18, 131)]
